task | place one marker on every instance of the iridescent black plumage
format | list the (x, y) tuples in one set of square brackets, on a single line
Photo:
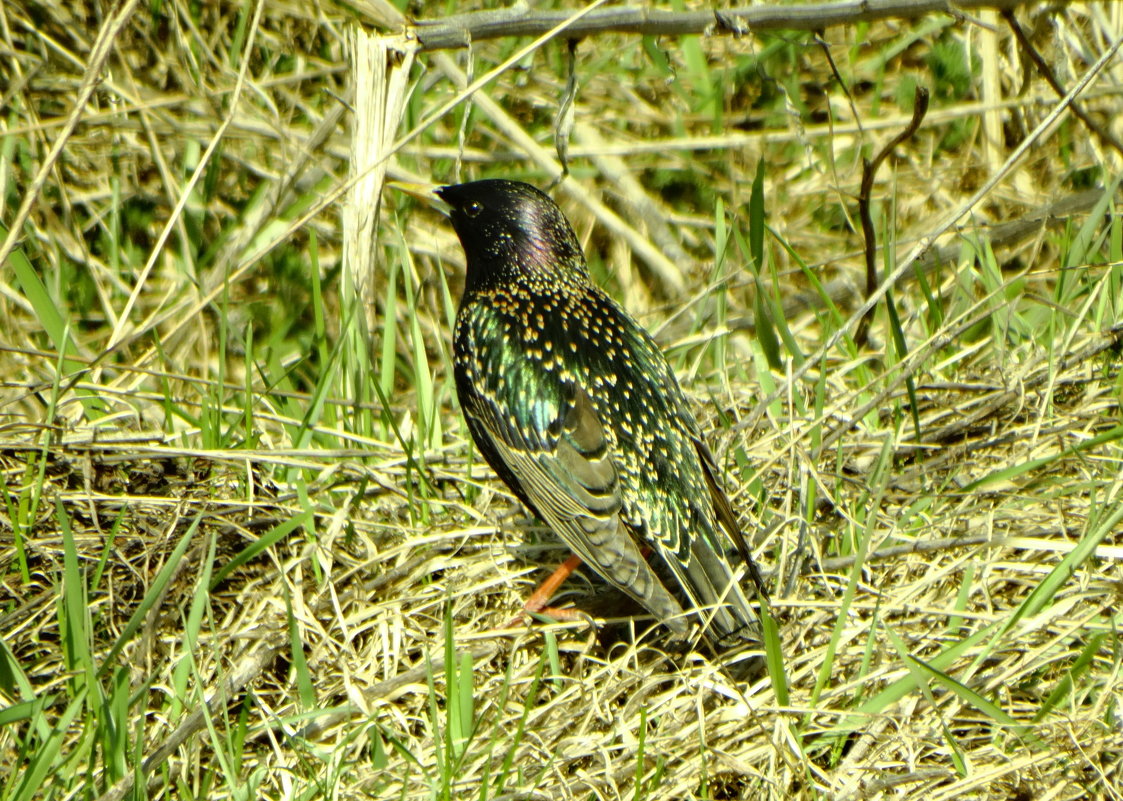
[(575, 407)]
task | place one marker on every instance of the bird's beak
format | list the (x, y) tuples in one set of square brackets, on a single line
[(424, 192)]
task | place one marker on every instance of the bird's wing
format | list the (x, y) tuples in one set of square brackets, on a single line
[(690, 544), (676, 503), (724, 510), (567, 473)]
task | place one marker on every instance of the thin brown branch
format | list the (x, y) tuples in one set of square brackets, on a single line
[(463, 29), (826, 48), (1043, 67), (869, 172), (925, 245), (842, 292)]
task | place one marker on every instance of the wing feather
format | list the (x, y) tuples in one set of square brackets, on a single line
[(570, 479)]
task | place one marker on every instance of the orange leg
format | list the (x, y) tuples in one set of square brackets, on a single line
[(541, 596)]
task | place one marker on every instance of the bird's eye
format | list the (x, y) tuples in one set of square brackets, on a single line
[(473, 208)]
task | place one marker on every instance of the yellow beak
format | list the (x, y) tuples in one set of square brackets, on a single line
[(424, 192)]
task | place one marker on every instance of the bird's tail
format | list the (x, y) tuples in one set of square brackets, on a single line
[(729, 618)]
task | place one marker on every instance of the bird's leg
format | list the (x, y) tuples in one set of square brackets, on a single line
[(541, 596), (538, 599)]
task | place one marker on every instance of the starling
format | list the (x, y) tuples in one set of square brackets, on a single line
[(575, 407)]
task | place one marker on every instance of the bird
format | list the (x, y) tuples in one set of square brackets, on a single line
[(576, 408)]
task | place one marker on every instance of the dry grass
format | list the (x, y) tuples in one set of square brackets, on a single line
[(214, 492)]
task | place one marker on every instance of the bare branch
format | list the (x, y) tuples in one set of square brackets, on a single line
[(463, 29), (1043, 67), (869, 171)]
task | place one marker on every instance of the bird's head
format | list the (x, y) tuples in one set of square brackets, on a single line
[(510, 230)]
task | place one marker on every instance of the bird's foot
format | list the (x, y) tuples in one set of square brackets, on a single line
[(560, 615), (538, 600)]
